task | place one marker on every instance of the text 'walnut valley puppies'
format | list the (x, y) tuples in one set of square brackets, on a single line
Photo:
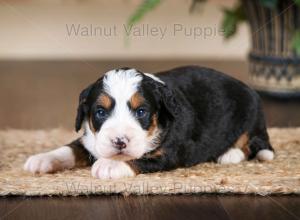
[(136, 122)]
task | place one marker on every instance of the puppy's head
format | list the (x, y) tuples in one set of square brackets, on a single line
[(124, 114)]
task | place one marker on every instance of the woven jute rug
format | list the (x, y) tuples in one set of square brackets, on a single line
[(281, 176)]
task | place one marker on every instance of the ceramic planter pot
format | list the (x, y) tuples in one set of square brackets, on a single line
[(274, 65)]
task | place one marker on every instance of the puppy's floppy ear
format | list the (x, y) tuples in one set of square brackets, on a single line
[(165, 96), (82, 107), (170, 100)]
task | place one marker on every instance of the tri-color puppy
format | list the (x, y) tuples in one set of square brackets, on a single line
[(137, 122)]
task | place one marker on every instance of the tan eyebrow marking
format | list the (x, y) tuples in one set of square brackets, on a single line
[(105, 101), (136, 100)]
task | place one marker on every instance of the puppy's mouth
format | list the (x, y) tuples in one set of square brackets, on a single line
[(121, 156)]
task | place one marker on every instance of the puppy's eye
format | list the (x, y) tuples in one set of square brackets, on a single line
[(140, 113), (101, 113)]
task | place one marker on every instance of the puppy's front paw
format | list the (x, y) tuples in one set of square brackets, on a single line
[(111, 169), (42, 163)]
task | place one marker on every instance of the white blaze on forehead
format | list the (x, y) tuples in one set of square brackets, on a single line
[(122, 84)]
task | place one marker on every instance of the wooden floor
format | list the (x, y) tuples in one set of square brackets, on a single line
[(44, 94), (153, 207)]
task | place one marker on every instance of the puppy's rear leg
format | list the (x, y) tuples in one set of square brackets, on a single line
[(261, 149), (237, 153), (259, 144), (65, 157)]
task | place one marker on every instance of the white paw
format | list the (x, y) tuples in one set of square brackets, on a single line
[(232, 156), (52, 161), (265, 155), (42, 163), (111, 169)]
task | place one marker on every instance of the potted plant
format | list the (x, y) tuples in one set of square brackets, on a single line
[(275, 30)]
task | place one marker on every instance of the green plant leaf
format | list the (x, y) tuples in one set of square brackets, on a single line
[(297, 2), (231, 19), (229, 24), (141, 11), (272, 4), (296, 42), (196, 4)]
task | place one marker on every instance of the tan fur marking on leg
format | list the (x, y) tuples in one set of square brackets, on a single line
[(133, 167), (81, 155), (243, 144), (155, 153)]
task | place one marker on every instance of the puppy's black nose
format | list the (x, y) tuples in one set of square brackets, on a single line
[(120, 143)]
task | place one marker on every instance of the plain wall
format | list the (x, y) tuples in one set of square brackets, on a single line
[(31, 29)]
